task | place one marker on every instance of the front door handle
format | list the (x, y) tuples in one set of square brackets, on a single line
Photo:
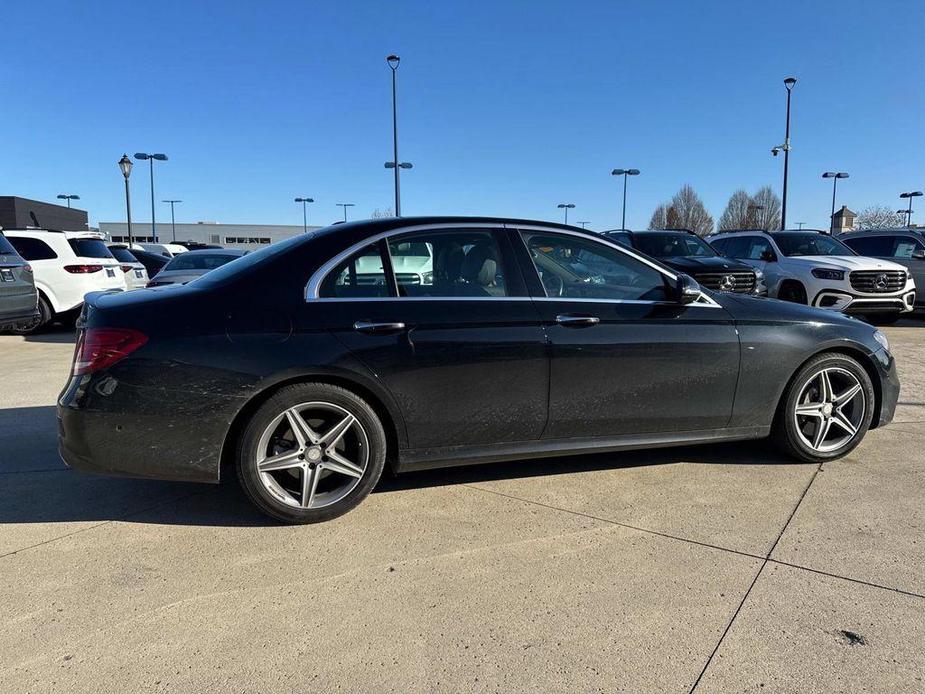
[(362, 326), (573, 320)]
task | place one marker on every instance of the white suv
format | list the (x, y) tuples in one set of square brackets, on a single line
[(66, 265), (809, 267)]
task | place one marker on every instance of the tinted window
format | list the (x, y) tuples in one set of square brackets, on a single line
[(884, 246), (361, 275), (575, 268), (620, 237), (32, 249), (198, 261), (448, 264), (758, 248), (791, 244), (905, 245), (6, 246), (123, 255), (89, 248), (673, 246)]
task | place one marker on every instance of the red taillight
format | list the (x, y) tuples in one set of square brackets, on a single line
[(82, 269), (99, 348), (126, 268), (27, 268)]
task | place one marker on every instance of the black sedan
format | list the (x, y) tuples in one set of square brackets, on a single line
[(307, 367)]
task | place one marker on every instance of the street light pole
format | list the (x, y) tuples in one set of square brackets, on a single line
[(566, 206), (788, 83), (393, 61), (304, 202), (345, 205), (173, 221), (584, 224), (834, 175), (624, 173), (125, 164), (68, 197), (913, 194), (141, 156), (751, 219)]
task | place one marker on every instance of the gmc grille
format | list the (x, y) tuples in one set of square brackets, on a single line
[(743, 282), (878, 281)]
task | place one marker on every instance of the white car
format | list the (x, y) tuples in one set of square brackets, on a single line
[(66, 265), (809, 267), (167, 249), (135, 274)]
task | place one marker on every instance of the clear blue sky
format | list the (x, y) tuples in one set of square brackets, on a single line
[(506, 108)]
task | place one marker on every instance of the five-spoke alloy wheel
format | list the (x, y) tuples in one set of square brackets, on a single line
[(311, 452)]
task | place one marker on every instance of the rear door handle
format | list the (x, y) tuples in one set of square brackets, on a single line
[(571, 320), (362, 326)]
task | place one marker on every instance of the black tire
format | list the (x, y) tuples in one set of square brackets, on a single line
[(784, 431), (792, 291), (292, 396), (46, 315), (883, 318)]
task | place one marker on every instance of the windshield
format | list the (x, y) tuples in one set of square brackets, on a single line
[(673, 246), (122, 255), (199, 261), (246, 262), (810, 244), (414, 249), (89, 248)]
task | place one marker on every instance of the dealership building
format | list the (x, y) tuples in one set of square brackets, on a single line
[(244, 236)]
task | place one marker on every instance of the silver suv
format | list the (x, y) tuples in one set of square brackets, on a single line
[(18, 297)]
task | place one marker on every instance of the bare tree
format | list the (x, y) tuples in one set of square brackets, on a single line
[(735, 216), (684, 211), (879, 217), (767, 216), (381, 214)]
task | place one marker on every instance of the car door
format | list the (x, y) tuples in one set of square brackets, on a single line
[(625, 357), (442, 317)]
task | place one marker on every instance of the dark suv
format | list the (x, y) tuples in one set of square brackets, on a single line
[(18, 298), (685, 251)]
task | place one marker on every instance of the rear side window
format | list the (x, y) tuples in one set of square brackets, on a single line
[(123, 255), (32, 249), (89, 248), (362, 275), (759, 249), (732, 247), (6, 246)]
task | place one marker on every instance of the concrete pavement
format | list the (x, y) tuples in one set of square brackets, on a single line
[(722, 568)]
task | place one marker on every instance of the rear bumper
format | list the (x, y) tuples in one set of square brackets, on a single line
[(18, 316)]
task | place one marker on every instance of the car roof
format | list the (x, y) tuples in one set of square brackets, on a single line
[(212, 251), (878, 232)]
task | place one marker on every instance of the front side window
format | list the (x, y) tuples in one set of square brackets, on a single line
[(448, 264), (362, 275), (572, 267), (673, 246), (32, 249), (795, 244)]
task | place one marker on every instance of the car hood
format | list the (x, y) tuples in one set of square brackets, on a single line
[(747, 307), (692, 265), (845, 262)]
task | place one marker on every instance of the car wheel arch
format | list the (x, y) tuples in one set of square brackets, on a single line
[(390, 418)]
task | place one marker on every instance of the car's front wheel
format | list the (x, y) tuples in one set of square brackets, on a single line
[(310, 453), (826, 409)]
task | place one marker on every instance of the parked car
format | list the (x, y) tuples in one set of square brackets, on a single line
[(153, 262), (18, 296), (66, 266), (135, 273), (166, 249), (808, 267), (192, 264), (683, 250), (198, 245), (905, 247), (286, 369)]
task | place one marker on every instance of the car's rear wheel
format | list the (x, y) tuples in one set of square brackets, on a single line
[(310, 453), (826, 410)]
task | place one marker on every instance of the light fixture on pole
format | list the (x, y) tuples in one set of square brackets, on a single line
[(566, 206), (584, 224), (304, 202), (142, 156), (902, 213), (393, 62), (125, 165), (913, 194), (345, 205), (173, 220), (624, 173), (68, 198), (799, 224), (834, 175), (785, 148)]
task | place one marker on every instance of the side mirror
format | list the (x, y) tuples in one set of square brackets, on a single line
[(688, 290), (918, 254), (768, 256)]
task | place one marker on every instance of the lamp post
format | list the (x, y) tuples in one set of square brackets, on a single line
[(68, 198), (913, 194), (834, 175), (903, 213), (751, 218), (393, 62), (141, 156), (785, 148), (624, 173), (173, 220), (584, 224), (304, 202), (799, 224), (125, 164), (345, 205), (566, 206)]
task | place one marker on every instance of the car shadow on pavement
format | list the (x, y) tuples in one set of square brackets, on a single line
[(56, 336), (36, 487)]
